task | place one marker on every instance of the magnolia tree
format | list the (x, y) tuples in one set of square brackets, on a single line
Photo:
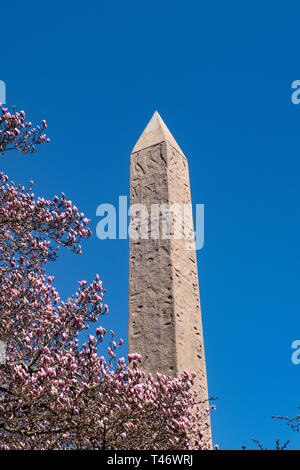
[(58, 389)]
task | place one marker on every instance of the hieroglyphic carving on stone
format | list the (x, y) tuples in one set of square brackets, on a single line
[(164, 303)]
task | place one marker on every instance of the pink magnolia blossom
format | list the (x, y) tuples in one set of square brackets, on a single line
[(17, 134)]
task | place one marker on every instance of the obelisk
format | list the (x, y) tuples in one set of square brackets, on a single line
[(164, 302)]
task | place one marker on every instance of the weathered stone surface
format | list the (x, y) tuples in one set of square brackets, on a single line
[(164, 302)]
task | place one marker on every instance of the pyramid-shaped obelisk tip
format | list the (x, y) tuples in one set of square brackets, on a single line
[(154, 133)]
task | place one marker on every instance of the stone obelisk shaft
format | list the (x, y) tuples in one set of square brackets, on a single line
[(164, 303)]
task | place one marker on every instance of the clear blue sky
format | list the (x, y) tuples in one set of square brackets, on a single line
[(220, 74)]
